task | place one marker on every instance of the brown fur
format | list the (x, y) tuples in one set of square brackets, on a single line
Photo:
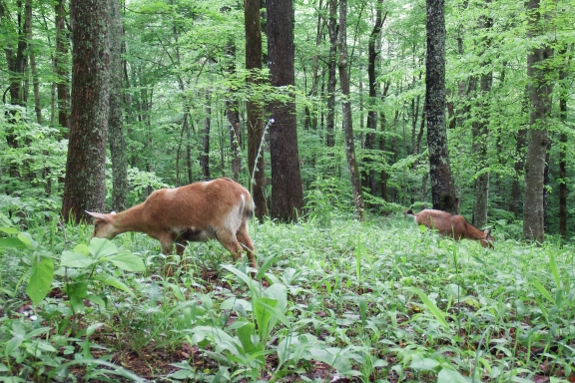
[(451, 225), (195, 212)]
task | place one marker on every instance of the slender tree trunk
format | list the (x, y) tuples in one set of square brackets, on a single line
[(233, 114), (540, 90), (331, 79), (287, 191), (85, 187), (346, 113), (115, 119), (479, 129), (61, 67), (442, 187), (563, 97), (35, 80), (205, 154), (254, 107)]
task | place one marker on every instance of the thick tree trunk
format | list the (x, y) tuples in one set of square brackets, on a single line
[(563, 97), (442, 187), (331, 79), (540, 90), (287, 192), (85, 187), (233, 114), (254, 108), (346, 113), (115, 119)]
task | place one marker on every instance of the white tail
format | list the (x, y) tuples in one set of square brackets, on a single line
[(200, 211), (451, 225)]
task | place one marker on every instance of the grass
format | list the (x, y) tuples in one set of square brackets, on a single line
[(377, 301)]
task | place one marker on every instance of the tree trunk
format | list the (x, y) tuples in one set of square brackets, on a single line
[(287, 192), (233, 114), (442, 187), (61, 67), (479, 130), (35, 80), (346, 113), (563, 97), (370, 137), (540, 89), (254, 108), (115, 118), (205, 154), (85, 187), (331, 79)]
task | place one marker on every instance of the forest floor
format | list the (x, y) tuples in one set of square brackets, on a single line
[(339, 302)]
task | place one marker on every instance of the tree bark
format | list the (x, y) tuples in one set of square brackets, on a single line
[(254, 107), (61, 67), (563, 97), (205, 154), (346, 114), (32, 56), (540, 89), (442, 187), (84, 188), (479, 129), (331, 79), (233, 114), (115, 119), (287, 192)]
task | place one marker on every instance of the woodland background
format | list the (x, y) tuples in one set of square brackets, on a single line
[(183, 89)]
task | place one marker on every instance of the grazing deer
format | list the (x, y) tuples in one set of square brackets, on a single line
[(200, 211), (454, 226)]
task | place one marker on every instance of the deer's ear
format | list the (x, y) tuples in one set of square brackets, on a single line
[(96, 215)]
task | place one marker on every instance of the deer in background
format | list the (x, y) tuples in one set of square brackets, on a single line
[(454, 226), (217, 209)]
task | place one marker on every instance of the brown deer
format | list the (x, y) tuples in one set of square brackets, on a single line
[(454, 226), (217, 209)]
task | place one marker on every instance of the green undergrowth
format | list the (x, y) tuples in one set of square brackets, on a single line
[(378, 301)]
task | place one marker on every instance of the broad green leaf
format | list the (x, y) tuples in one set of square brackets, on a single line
[(128, 262), (177, 292), (424, 364), (9, 230), (263, 315), (245, 333), (72, 259), (102, 247), (12, 243), (114, 282), (439, 315), (41, 278), (451, 376), (13, 344), (82, 248)]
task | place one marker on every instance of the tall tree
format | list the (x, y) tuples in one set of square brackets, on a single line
[(115, 118), (205, 152), (346, 113), (254, 106), (84, 188), (60, 66), (442, 187), (287, 191), (32, 56), (331, 74), (479, 127), (540, 88), (563, 97)]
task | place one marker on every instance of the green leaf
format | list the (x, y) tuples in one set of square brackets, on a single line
[(102, 247), (114, 282), (245, 333), (542, 290), (554, 270), (9, 230), (14, 343), (128, 262), (424, 364), (263, 315), (439, 315), (451, 376), (72, 259), (12, 243), (41, 278)]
